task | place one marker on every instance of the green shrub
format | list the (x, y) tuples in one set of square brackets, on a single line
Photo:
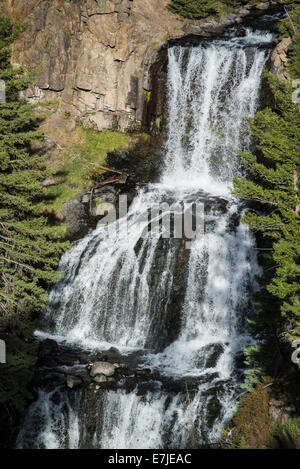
[(252, 421), (76, 168), (197, 9), (288, 434)]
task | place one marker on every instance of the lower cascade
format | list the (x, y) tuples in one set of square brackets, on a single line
[(179, 307)]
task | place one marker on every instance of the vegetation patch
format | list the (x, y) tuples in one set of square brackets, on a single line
[(75, 168), (287, 434), (197, 9), (29, 246), (273, 189), (252, 421)]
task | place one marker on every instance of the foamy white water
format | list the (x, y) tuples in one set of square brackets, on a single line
[(118, 290)]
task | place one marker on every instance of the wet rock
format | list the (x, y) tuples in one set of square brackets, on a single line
[(113, 354), (100, 379), (102, 368), (141, 162), (106, 190), (43, 377), (82, 374), (241, 32), (48, 347), (73, 381), (213, 410), (48, 350), (210, 355)]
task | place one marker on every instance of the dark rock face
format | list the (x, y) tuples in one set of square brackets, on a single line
[(76, 216), (257, 15), (47, 349), (154, 116), (73, 369), (142, 162), (73, 381), (173, 317)]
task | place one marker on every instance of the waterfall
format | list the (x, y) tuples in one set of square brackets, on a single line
[(119, 289)]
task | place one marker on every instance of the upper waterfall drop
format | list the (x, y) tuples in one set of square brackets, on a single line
[(211, 89)]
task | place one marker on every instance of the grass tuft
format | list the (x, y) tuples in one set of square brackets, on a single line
[(72, 169)]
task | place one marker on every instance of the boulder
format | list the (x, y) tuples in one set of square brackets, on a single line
[(103, 368), (76, 216), (73, 381), (49, 182), (112, 354), (241, 32), (103, 201), (48, 348), (100, 379)]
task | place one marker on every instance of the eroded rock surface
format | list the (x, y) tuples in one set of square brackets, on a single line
[(279, 59), (96, 55), (102, 368)]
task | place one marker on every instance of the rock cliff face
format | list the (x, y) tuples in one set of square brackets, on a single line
[(96, 56), (279, 59)]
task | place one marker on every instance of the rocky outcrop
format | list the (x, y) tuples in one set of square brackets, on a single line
[(103, 368), (279, 60), (125, 171), (84, 211), (73, 368), (97, 56), (76, 215)]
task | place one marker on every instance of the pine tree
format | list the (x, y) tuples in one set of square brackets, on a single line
[(29, 250), (273, 185)]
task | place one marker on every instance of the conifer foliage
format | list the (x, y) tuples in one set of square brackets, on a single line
[(197, 9), (273, 185), (28, 249), (29, 252)]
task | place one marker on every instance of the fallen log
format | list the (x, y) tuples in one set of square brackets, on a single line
[(111, 170)]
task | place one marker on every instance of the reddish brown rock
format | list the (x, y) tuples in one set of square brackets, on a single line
[(96, 55)]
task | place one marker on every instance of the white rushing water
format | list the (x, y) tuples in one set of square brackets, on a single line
[(118, 290)]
